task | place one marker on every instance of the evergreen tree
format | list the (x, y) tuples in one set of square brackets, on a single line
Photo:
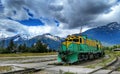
[(2, 43), (39, 47), (11, 47), (22, 48)]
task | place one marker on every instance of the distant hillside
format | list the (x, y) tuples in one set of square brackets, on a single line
[(108, 34), (53, 42)]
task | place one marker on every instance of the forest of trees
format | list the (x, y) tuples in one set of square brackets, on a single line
[(111, 47), (38, 47)]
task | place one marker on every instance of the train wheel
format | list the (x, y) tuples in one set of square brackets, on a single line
[(100, 55), (95, 56), (80, 57), (86, 57), (91, 57), (103, 54)]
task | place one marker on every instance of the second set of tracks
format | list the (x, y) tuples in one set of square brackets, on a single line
[(108, 69)]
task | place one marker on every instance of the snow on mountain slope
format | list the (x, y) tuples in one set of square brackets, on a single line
[(53, 42), (108, 34), (47, 35)]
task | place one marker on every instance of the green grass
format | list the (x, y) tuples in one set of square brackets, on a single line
[(104, 61), (117, 53), (69, 73), (90, 66), (5, 68), (118, 69), (26, 54)]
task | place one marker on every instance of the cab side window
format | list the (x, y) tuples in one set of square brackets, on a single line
[(80, 40), (97, 46), (70, 40), (76, 40)]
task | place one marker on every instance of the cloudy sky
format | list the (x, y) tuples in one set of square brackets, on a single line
[(58, 17)]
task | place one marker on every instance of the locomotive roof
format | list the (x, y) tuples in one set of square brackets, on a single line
[(83, 36)]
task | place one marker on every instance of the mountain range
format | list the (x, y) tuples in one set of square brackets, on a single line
[(53, 42), (108, 35)]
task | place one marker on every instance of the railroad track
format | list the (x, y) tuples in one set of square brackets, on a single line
[(30, 70), (26, 71), (110, 67), (115, 66)]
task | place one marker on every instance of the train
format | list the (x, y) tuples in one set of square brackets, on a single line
[(77, 48)]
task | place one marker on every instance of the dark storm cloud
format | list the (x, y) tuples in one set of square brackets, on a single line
[(55, 7), (74, 13), (11, 30), (93, 7), (15, 4), (83, 12), (1, 7)]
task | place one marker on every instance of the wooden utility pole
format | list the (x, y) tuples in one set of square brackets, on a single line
[(80, 30)]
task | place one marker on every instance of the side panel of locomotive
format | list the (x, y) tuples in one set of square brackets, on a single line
[(78, 48)]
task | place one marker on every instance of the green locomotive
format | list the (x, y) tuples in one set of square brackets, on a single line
[(78, 48)]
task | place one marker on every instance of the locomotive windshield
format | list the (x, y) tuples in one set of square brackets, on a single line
[(75, 40), (70, 40)]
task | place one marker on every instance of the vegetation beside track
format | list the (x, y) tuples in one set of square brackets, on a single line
[(69, 73), (110, 56), (117, 53), (61, 72), (26, 54), (5, 68), (118, 69), (110, 59)]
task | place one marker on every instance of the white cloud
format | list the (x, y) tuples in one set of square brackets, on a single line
[(38, 30), (70, 13), (73, 13), (10, 28), (113, 16)]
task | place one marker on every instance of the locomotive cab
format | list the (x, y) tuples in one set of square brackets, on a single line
[(68, 48), (73, 39)]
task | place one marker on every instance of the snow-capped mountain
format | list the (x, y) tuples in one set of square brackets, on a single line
[(53, 42), (18, 39), (108, 34), (51, 37), (21, 37)]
